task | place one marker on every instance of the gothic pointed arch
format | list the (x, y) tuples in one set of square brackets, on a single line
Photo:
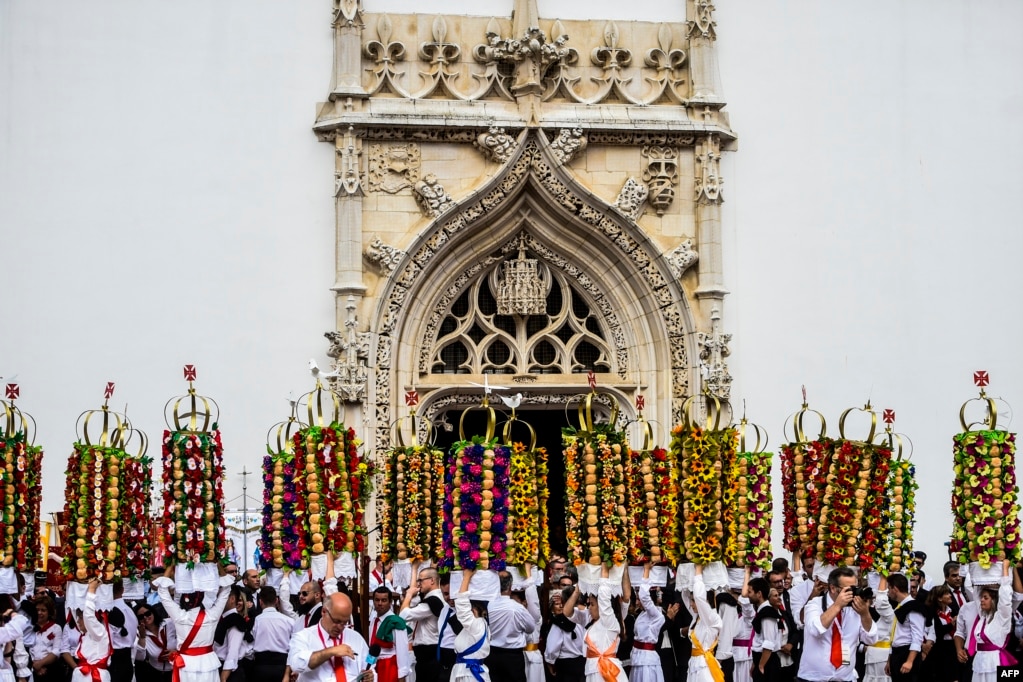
[(611, 264)]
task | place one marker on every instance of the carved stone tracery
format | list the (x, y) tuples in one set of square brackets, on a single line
[(713, 351), (431, 196), (682, 257), (384, 256), (709, 180), (631, 197)]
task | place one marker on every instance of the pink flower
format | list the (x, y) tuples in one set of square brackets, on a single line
[(474, 555), (463, 544), (470, 527)]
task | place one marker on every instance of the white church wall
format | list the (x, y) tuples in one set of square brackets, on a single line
[(163, 201)]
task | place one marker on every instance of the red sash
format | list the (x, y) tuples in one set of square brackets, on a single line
[(177, 658), (93, 669)]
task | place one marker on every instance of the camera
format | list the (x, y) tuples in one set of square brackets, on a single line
[(864, 593)]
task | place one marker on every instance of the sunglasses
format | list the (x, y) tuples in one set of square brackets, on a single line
[(145, 614), (304, 593)]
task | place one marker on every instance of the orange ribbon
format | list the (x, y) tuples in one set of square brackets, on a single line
[(708, 655), (605, 661)]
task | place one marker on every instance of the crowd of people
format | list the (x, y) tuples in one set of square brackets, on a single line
[(788, 624)]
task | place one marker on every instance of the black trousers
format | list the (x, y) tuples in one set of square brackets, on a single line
[(570, 669), (427, 665), (728, 668), (900, 654), (268, 666), (147, 673), (772, 671), (506, 665), (122, 666)]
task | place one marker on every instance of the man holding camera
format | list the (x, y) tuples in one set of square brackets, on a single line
[(834, 625)]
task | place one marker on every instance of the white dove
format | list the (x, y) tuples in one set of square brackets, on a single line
[(512, 401), (318, 373), (487, 388)]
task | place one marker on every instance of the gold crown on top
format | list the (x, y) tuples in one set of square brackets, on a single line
[(708, 408), (279, 436), (866, 409), (585, 406), (191, 412), (16, 421), (991, 416), (797, 419), (896, 442), (105, 428), (744, 429)]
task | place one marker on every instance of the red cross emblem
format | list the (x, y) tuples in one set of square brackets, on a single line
[(888, 416), (411, 398), (640, 402), (13, 391), (189, 372), (981, 378), (592, 379), (108, 392)]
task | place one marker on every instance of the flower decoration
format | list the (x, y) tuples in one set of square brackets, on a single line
[(653, 501), (848, 532), (753, 510), (985, 498), (137, 485), (476, 507), (900, 492), (527, 522), (281, 542), (413, 494), (193, 497), (703, 458), (804, 468), (332, 487), (20, 478), (596, 517), (93, 512)]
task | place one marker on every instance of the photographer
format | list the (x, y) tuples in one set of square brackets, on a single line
[(835, 624)]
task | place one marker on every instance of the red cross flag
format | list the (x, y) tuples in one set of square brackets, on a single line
[(189, 372), (592, 379), (888, 416), (108, 392), (13, 391), (411, 398), (980, 378), (640, 402)]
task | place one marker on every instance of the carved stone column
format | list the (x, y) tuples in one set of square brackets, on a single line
[(348, 49), (703, 61), (348, 195), (711, 291)]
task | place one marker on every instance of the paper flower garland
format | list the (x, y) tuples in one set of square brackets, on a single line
[(527, 522), (900, 492), (596, 518), (476, 491), (702, 457), (281, 543), (848, 532), (193, 497), (137, 478), (985, 501), (653, 501), (804, 468), (92, 510), (413, 493), (20, 491), (754, 510), (333, 484)]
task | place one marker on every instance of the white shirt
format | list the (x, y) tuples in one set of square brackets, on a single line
[(312, 639), (815, 663), (910, 633), (422, 619), (874, 653), (510, 622), (271, 631), (706, 628), (473, 630), (602, 635), (729, 631), (69, 640), (769, 636), (743, 652), (48, 642), (131, 626), (152, 646), (397, 649), (986, 662), (233, 648), (447, 633), (798, 596), (184, 620)]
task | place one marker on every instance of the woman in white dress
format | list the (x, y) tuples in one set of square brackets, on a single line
[(703, 633), (194, 627), (95, 646), (472, 644), (646, 661), (876, 655), (990, 630), (602, 635), (742, 645)]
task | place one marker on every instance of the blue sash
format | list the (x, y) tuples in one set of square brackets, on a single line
[(440, 635), (474, 665)]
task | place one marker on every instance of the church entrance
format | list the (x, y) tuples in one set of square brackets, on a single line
[(548, 424)]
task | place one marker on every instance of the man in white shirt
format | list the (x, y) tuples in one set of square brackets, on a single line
[(510, 622), (903, 665), (123, 632), (424, 618), (767, 636), (835, 624), (310, 596), (954, 580), (388, 638), (271, 636), (329, 651)]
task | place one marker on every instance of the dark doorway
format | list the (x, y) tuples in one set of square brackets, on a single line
[(548, 425)]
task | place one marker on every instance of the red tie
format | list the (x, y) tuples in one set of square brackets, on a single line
[(959, 597), (836, 642), (339, 665)]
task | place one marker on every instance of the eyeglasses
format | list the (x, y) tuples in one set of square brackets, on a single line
[(304, 593), (419, 580), (145, 614)]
